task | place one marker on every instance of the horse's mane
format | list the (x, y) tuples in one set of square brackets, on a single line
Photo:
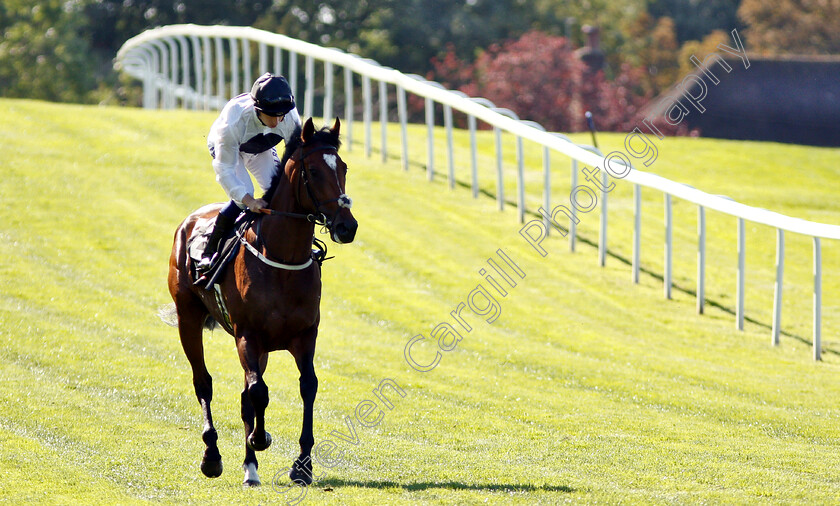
[(322, 136)]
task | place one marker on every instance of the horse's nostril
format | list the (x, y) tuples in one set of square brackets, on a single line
[(346, 232)]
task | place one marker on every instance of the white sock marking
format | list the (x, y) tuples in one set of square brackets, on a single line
[(251, 474)]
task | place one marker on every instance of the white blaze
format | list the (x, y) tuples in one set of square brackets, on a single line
[(330, 159)]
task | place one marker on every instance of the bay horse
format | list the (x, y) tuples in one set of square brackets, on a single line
[(270, 293)]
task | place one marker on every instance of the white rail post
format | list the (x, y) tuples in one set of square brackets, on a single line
[(157, 67), (473, 156), (235, 89), (262, 61), (383, 118), (348, 106), (149, 93), (172, 78), (546, 187), (165, 91), (278, 60), (430, 138), (602, 236), (184, 84), (309, 75), (520, 180), (403, 113), (777, 292), (328, 92), (669, 225), (450, 148), (500, 183), (367, 112), (221, 92), (637, 231), (247, 75), (739, 308), (151, 81), (293, 71), (573, 220), (701, 259), (207, 54), (817, 300), (166, 74), (196, 69)]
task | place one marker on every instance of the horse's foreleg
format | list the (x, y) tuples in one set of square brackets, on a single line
[(190, 322), (253, 362), (250, 465), (302, 469)]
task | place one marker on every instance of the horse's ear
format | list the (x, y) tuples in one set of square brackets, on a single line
[(336, 126), (308, 131)]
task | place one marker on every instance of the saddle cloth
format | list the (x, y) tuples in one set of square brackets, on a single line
[(228, 247)]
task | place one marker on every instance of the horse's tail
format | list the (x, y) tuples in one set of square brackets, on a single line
[(169, 315)]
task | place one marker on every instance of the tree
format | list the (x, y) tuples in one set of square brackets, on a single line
[(654, 47), (539, 77), (695, 19), (42, 54), (404, 35), (565, 17), (708, 45), (111, 22), (792, 26)]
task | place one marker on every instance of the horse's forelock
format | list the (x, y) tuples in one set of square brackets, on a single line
[(325, 135)]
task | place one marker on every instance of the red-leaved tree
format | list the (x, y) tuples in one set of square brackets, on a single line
[(539, 77)]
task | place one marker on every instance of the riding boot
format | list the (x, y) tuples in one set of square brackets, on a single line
[(220, 230)]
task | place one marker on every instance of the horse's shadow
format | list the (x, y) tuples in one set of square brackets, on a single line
[(451, 485)]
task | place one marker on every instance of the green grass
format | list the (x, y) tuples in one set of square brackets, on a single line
[(588, 388)]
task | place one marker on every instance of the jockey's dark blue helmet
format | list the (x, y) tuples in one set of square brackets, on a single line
[(272, 95)]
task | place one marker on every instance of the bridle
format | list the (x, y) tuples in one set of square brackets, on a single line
[(343, 200), (319, 217)]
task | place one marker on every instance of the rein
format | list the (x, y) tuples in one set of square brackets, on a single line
[(319, 219)]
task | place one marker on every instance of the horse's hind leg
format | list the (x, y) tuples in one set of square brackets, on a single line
[(250, 465), (191, 315)]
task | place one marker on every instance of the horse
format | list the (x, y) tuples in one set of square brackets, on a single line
[(269, 296)]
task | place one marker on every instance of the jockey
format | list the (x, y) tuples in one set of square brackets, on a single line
[(243, 137)]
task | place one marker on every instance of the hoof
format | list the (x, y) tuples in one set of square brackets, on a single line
[(251, 483), (211, 468), (258, 446), (301, 473)]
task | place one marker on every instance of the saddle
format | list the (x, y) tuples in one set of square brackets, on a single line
[(228, 247)]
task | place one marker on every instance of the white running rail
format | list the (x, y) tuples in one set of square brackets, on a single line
[(200, 67)]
